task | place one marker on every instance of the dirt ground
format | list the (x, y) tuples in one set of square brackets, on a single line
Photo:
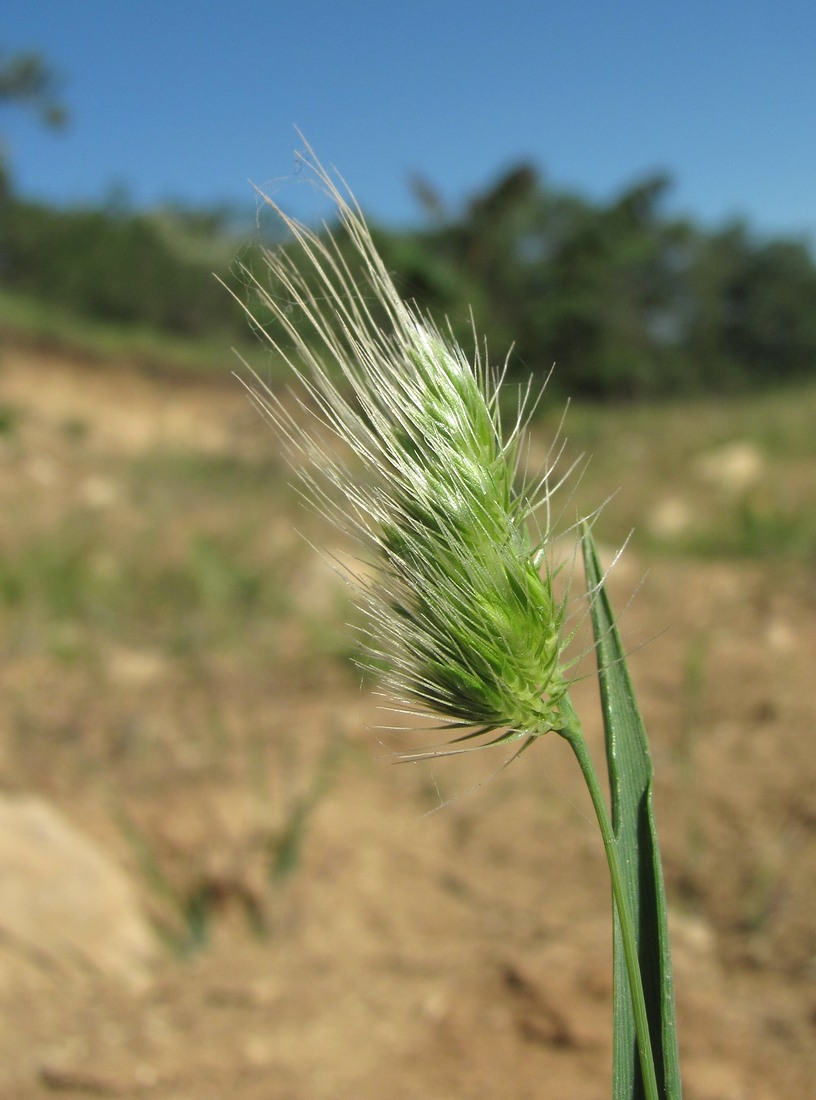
[(327, 925)]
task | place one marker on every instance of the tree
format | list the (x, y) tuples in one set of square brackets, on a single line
[(754, 320), (27, 79), (598, 289)]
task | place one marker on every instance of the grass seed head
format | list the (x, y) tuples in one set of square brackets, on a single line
[(395, 420)]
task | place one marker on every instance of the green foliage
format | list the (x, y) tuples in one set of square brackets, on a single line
[(31, 321), (642, 954), (27, 78), (188, 912), (590, 289), (284, 848), (9, 418), (206, 592), (627, 302), (754, 319), (134, 269), (756, 525)]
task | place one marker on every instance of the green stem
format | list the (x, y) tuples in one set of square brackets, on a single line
[(573, 734)]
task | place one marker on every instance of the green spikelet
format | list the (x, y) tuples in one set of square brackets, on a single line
[(462, 609)]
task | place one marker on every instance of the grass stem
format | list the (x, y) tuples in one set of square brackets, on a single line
[(573, 734)]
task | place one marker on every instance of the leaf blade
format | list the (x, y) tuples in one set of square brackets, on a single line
[(630, 779)]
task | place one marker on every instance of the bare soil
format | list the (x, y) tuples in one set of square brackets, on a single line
[(331, 926)]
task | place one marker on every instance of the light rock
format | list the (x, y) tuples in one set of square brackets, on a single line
[(64, 904), (733, 468), (135, 667), (670, 518)]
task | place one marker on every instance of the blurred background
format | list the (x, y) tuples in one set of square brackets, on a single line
[(211, 884)]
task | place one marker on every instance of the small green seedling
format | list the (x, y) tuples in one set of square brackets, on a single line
[(399, 439)]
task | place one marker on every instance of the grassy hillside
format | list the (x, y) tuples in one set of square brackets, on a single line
[(728, 477), (28, 320)]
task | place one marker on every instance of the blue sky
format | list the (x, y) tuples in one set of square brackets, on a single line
[(189, 100)]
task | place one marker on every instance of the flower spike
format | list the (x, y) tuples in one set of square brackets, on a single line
[(461, 609)]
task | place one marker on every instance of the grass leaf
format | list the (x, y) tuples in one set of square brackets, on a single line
[(630, 778)]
